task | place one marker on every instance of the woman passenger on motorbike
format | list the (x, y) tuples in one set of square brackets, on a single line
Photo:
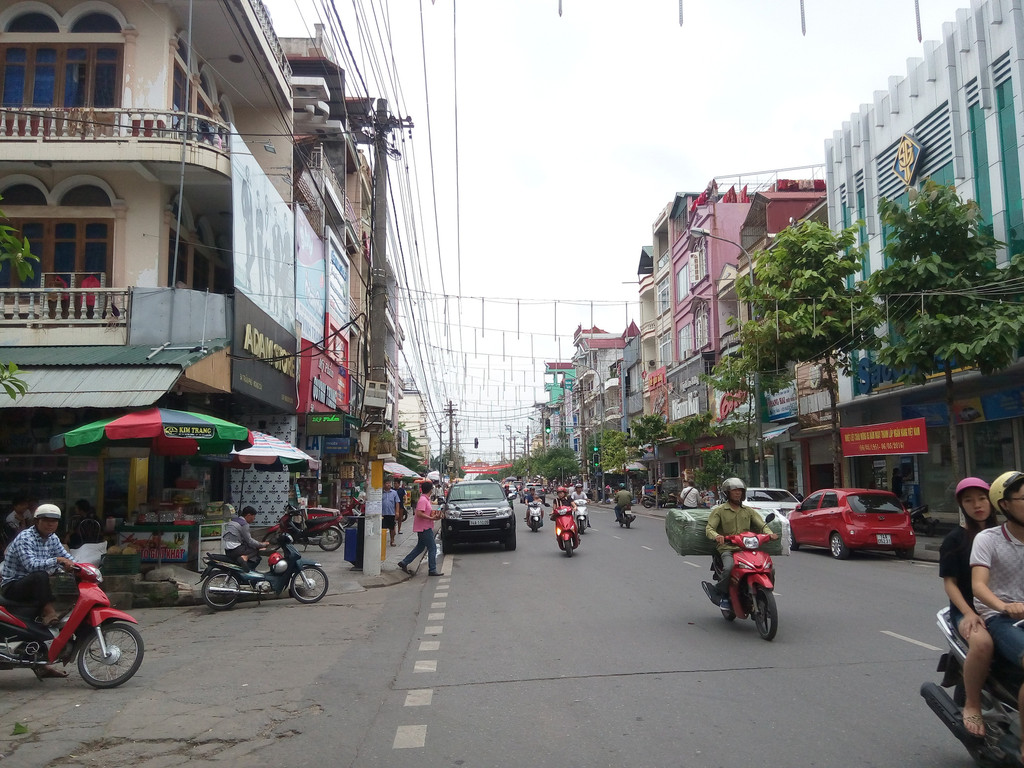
[(562, 500), (955, 569)]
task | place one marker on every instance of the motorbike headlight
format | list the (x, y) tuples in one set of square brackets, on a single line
[(750, 542), (558, 531)]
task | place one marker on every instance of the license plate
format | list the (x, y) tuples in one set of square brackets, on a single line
[(883, 538), (479, 522)]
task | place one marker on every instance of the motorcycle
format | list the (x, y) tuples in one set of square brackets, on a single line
[(316, 526), (626, 519), (109, 650), (566, 533), (649, 500), (1000, 746), (534, 516), (922, 522), (751, 588), (582, 519), (224, 581)]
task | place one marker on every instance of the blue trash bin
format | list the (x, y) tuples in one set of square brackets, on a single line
[(354, 543)]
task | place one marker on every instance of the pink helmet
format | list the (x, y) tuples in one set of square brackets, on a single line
[(970, 482)]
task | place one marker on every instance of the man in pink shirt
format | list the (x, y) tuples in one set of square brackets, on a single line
[(423, 527)]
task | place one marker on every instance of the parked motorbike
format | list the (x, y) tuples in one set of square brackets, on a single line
[(751, 588), (922, 522), (582, 518), (109, 650), (224, 581), (566, 533), (534, 516), (314, 526), (1000, 746), (649, 500)]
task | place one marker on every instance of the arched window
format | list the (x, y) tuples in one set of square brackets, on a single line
[(76, 74), (32, 22), (701, 325), (69, 249)]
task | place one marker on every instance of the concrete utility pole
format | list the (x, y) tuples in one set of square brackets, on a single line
[(383, 124), (450, 413)]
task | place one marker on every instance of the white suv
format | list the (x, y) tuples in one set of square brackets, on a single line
[(777, 500)]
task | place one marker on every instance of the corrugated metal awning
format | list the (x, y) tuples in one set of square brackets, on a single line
[(109, 386)]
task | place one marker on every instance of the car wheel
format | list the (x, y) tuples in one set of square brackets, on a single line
[(793, 543), (839, 549), (510, 541)]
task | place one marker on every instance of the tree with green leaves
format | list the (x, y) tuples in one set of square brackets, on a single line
[(17, 252), (616, 453), (944, 298), (558, 462), (803, 310), (714, 469)]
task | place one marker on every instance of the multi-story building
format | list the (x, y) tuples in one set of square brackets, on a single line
[(597, 399), (412, 414), (955, 117)]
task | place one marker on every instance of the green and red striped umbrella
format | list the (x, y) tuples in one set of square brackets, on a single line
[(164, 431)]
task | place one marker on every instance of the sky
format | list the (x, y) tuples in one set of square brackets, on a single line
[(572, 134)]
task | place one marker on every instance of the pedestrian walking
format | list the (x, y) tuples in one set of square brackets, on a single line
[(423, 526), (388, 510)]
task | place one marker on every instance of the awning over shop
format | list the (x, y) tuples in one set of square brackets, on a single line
[(394, 468), (772, 434), (636, 466), (101, 377)]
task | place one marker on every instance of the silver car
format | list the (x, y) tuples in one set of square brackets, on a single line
[(777, 500)]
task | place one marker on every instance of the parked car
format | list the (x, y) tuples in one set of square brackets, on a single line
[(844, 519), (777, 500), (477, 510)]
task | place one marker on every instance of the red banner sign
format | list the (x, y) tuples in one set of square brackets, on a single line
[(891, 438)]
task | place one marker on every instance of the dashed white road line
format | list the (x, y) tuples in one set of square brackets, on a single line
[(435, 617), (410, 737), (910, 640), (430, 645), (439, 605), (425, 665), (436, 629), (420, 697), (694, 565), (649, 549)]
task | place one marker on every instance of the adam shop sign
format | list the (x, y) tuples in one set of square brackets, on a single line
[(264, 365)]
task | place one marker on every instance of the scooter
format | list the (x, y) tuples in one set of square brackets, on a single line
[(626, 519), (534, 516), (566, 533), (320, 527), (109, 650), (922, 522), (751, 588), (582, 518), (1000, 746), (649, 500), (224, 581)]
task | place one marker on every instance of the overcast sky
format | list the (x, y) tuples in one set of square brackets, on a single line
[(574, 132)]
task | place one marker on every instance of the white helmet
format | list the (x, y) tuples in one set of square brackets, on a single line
[(732, 484), (51, 511)]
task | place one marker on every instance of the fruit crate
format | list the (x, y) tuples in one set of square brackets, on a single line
[(119, 565)]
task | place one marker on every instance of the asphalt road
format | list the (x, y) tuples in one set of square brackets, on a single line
[(614, 657)]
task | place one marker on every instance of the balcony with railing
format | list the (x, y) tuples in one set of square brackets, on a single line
[(52, 316), (114, 133)]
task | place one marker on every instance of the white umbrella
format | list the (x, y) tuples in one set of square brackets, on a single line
[(435, 476), (394, 468)]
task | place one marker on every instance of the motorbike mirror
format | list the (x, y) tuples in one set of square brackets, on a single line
[(771, 516)]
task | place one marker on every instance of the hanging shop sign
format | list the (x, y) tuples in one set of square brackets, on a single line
[(888, 439), (333, 445), (264, 357)]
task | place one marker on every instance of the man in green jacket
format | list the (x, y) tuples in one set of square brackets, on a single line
[(727, 519), (623, 502)]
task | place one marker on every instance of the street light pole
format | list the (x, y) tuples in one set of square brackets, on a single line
[(763, 465)]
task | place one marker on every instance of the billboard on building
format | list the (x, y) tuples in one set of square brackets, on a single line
[(262, 237), (339, 293), (310, 280)]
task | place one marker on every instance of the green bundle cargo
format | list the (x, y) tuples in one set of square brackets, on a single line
[(685, 529)]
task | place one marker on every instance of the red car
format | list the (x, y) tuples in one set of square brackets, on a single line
[(844, 519)]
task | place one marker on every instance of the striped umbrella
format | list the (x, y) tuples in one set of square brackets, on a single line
[(270, 453)]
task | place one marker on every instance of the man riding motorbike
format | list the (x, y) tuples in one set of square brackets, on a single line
[(238, 542), (727, 519), (623, 502)]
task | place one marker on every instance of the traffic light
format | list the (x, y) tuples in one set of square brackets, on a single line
[(597, 458), (594, 448), (547, 425), (476, 442)]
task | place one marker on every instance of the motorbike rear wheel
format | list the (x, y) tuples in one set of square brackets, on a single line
[(647, 501), (315, 590), (124, 655), (330, 539), (568, 548), (766, 614)]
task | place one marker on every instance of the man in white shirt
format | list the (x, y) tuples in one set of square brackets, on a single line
[(690, 497)]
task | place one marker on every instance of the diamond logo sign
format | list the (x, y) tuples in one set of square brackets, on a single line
[(908, 153)]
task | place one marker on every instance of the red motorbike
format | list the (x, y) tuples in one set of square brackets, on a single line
[(109, 650), (751, 588), (322, 527), (566, 534)]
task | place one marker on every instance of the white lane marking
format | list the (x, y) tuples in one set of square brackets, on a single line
[(435, 617), (694, 565), (910, 640), (649, 549), (439, 605), (435, 630), (430, 645), (439, 595), (410, 737), (420, 697), (616, 537), (444, 580), (425, 665)]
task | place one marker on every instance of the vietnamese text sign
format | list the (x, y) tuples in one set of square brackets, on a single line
[(891, 438)]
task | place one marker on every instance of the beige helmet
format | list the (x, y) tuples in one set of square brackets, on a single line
[(997, 491), (51, 511)]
